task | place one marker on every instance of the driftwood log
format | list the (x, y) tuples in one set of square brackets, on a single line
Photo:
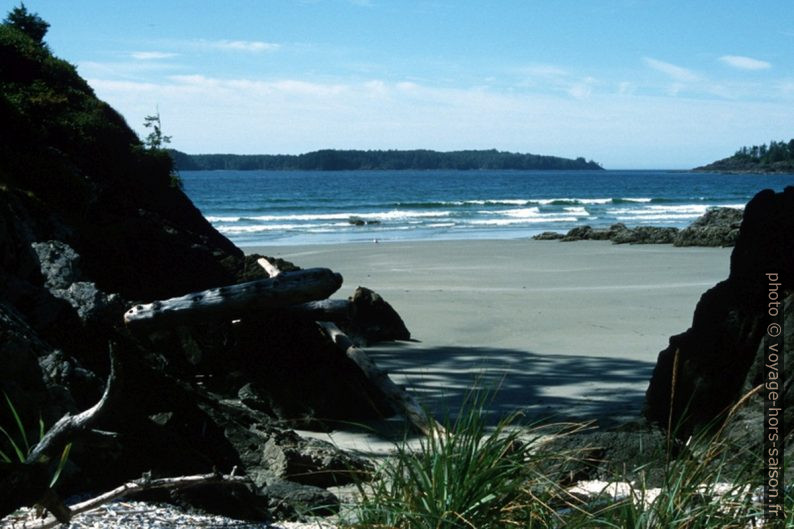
[(236, 301), (70, 426), (397, 397), (141, 485), (335, 310)]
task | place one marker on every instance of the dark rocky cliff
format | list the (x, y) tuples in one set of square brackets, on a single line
[(720, 354), (92, 222)]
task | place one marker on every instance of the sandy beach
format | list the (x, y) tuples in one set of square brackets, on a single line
[(565, 330)]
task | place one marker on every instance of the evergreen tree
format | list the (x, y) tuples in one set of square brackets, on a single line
[(29, 23), (156, 139)]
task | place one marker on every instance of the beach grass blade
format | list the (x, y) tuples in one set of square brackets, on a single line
[(20, 427), (17, 450), (61, 463), (23, 449)]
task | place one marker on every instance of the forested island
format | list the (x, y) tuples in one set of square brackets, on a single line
[(777, 157), (352, 160)]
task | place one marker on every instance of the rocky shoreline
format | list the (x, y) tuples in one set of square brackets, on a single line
[(717, 227), (93, 224)]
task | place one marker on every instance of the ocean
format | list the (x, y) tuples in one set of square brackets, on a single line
[(317, 207)]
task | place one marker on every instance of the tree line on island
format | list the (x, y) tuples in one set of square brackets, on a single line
[(351, 160), (777, 157)]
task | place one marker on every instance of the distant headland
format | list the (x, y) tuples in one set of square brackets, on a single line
[(353, 160), (777, 157)]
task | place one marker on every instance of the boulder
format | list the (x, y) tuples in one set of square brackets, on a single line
[(372, 319), (620, 234), (294, 371), (579, 233), (716, 355), (59, 264), (67, 378), (643, 235), (30, 389), (294, 501), (717, 227), (637, 453), (315, 462), (90, 303), (548, 236)]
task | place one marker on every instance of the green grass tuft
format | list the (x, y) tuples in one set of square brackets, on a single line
[(474, 476), (22, 449), (468, 476)]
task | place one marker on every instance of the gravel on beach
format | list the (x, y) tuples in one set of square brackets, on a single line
[(141, 515)]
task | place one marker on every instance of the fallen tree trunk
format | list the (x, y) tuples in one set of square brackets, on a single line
[(236, 301), (140, 485), (397, 397), (335, 310)]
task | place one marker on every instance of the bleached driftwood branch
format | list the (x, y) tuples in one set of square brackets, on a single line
[(69, 426), (236, 301), (271, 269), (29, 482), (398, 397), (140, 485)]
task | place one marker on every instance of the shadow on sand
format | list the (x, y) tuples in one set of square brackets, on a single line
[(556, 387)]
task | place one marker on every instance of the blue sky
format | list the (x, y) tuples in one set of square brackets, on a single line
[(628, 83)]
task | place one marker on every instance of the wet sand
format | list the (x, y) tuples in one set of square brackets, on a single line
[(564, 330)]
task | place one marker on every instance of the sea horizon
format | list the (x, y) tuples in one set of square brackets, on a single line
[(282, 208)]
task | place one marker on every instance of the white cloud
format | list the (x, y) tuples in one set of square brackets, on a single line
[(744, 63), (544, 70), (626, 88), (141, 70), (557, 79), (151, 55), (677, 73), (291, 116), (786, 87), (242, 45), (582, 90)]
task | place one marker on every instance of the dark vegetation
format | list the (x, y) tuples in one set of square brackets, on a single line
[(777, 157), (91, 224), (59, 142), (334, 160)]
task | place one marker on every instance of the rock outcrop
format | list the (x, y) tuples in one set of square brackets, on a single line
[(373, 320), (717, 227), (720, 356), (91, 223), (548, 236), (642, 235), (617, 233)]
